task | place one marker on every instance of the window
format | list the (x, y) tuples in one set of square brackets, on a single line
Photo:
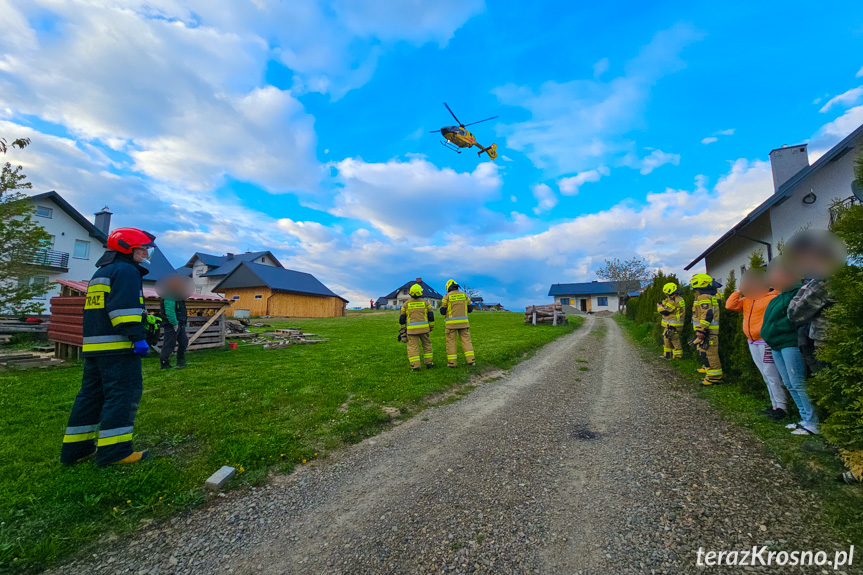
[(263, 260), (564, 301), (198, 272), (37, 281), (258, 296), (199, 290), (48, 244), (82, 250), (44, 212), (235, 298), (602, 302)]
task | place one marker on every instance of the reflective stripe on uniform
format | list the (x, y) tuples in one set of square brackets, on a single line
[(714, 372), (459, 319), (413, 359), (114, 436), (428, 355), (418, 324), (127, 311), (115, 321), (106, 343), (468, 354), (454, 356), (80, 433)]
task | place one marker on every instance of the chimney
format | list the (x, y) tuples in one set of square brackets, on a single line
[(419, 280), (786, 162), (103, 220), (230, 256)]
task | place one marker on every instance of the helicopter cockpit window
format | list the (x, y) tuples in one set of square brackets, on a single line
[(462, 131)]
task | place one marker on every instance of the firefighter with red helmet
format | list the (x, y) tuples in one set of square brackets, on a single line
[(115, 340)]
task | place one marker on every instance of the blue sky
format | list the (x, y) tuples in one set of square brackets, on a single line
[(302, 127)]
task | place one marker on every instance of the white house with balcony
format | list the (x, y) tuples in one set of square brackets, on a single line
[(75, 245), (803, 197)]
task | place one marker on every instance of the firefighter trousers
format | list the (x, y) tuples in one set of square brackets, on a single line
[(452, 337), (104, 411), (671, 342), (419, 348), (709, 354), (174, 336)]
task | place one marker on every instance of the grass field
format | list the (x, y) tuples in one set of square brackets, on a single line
[(811, 460), (257, 410)]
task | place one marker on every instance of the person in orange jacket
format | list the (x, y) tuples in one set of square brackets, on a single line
[(752, 300)]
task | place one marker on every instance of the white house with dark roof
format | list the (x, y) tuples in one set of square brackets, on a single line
[(75, 245), (396, 298), (802, 198), (208, 270), (586, 297)]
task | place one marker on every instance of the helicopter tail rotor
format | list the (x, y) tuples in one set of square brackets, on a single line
[(491, 151)]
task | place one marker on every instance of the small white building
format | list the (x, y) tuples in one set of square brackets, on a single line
[(396, 298), (802, 198), (208, 270), (586, 297)]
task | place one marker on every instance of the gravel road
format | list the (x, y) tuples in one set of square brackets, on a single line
[(583, 459)]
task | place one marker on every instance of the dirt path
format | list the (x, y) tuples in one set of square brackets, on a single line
[(580, 460)]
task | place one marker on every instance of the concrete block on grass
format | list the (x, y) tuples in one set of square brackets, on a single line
[(220, 478)]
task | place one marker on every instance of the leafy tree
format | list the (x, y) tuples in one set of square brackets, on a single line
[(626, 276), (20, 238)]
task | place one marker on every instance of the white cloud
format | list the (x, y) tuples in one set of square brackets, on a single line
[(570, 186), (413, 198), (658, 158), (729, 132), (845, 99), (600, 68), (709, 140), (545, 197), (580, 123), (843, 125), (714, 138), (859, 73)]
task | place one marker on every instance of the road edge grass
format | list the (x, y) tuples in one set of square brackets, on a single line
[(811, 461), (132, 519)]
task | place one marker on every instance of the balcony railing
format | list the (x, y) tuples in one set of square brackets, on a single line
[(45, 258), (837, 208)]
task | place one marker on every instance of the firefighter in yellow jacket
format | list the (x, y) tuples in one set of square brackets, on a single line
[(672, 311), (455, 307), (417, 316), (705, 321)]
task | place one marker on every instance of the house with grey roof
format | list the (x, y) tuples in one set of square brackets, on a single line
[(258, 289), (207, 270), (804, 196), (396, 298), (586, 297)]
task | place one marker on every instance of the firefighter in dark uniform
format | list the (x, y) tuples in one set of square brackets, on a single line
[(417, 316), (455, 307), (175, 318), (705, 321), (114, 342)]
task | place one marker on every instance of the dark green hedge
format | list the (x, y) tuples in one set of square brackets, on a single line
[(838, 389)]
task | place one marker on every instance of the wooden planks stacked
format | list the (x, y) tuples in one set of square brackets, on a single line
[(9, 326), (551, 313), (27, 361)]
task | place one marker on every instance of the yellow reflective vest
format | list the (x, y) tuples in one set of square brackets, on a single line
[(456, 303), (674, 306), (417, 312), (705, 314)]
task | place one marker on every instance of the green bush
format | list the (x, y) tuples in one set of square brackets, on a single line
[(838, 389)]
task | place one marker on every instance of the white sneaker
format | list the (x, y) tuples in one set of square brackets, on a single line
[(803, 430), (794, 425)]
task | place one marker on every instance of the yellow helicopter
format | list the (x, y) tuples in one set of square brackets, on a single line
[(457, 137)]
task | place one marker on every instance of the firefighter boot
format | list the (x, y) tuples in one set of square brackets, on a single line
[(165, 364), (135, 457)]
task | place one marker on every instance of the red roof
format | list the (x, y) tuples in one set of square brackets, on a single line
[(149, 293)]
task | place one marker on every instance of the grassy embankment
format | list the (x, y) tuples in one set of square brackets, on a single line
[(811, 460), (259, 411)]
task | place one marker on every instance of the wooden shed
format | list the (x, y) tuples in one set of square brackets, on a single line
[(206, 324), (272, 291)]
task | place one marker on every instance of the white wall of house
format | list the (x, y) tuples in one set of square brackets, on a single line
[(830, 182), (736, 251), (575, 301), (69, 237)]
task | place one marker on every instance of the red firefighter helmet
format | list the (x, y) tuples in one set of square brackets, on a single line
[(124, 240)]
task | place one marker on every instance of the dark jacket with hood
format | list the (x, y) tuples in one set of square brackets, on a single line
[(114, 306), (778, 331)]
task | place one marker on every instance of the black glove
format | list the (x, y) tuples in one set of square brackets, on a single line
[(443, 310)]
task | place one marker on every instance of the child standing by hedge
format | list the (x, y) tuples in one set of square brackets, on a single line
[(780, 333), (752, 299)]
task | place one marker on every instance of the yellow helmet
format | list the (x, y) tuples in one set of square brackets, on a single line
[(669, 288), (701, 281), (449, 283), (416, 290)]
